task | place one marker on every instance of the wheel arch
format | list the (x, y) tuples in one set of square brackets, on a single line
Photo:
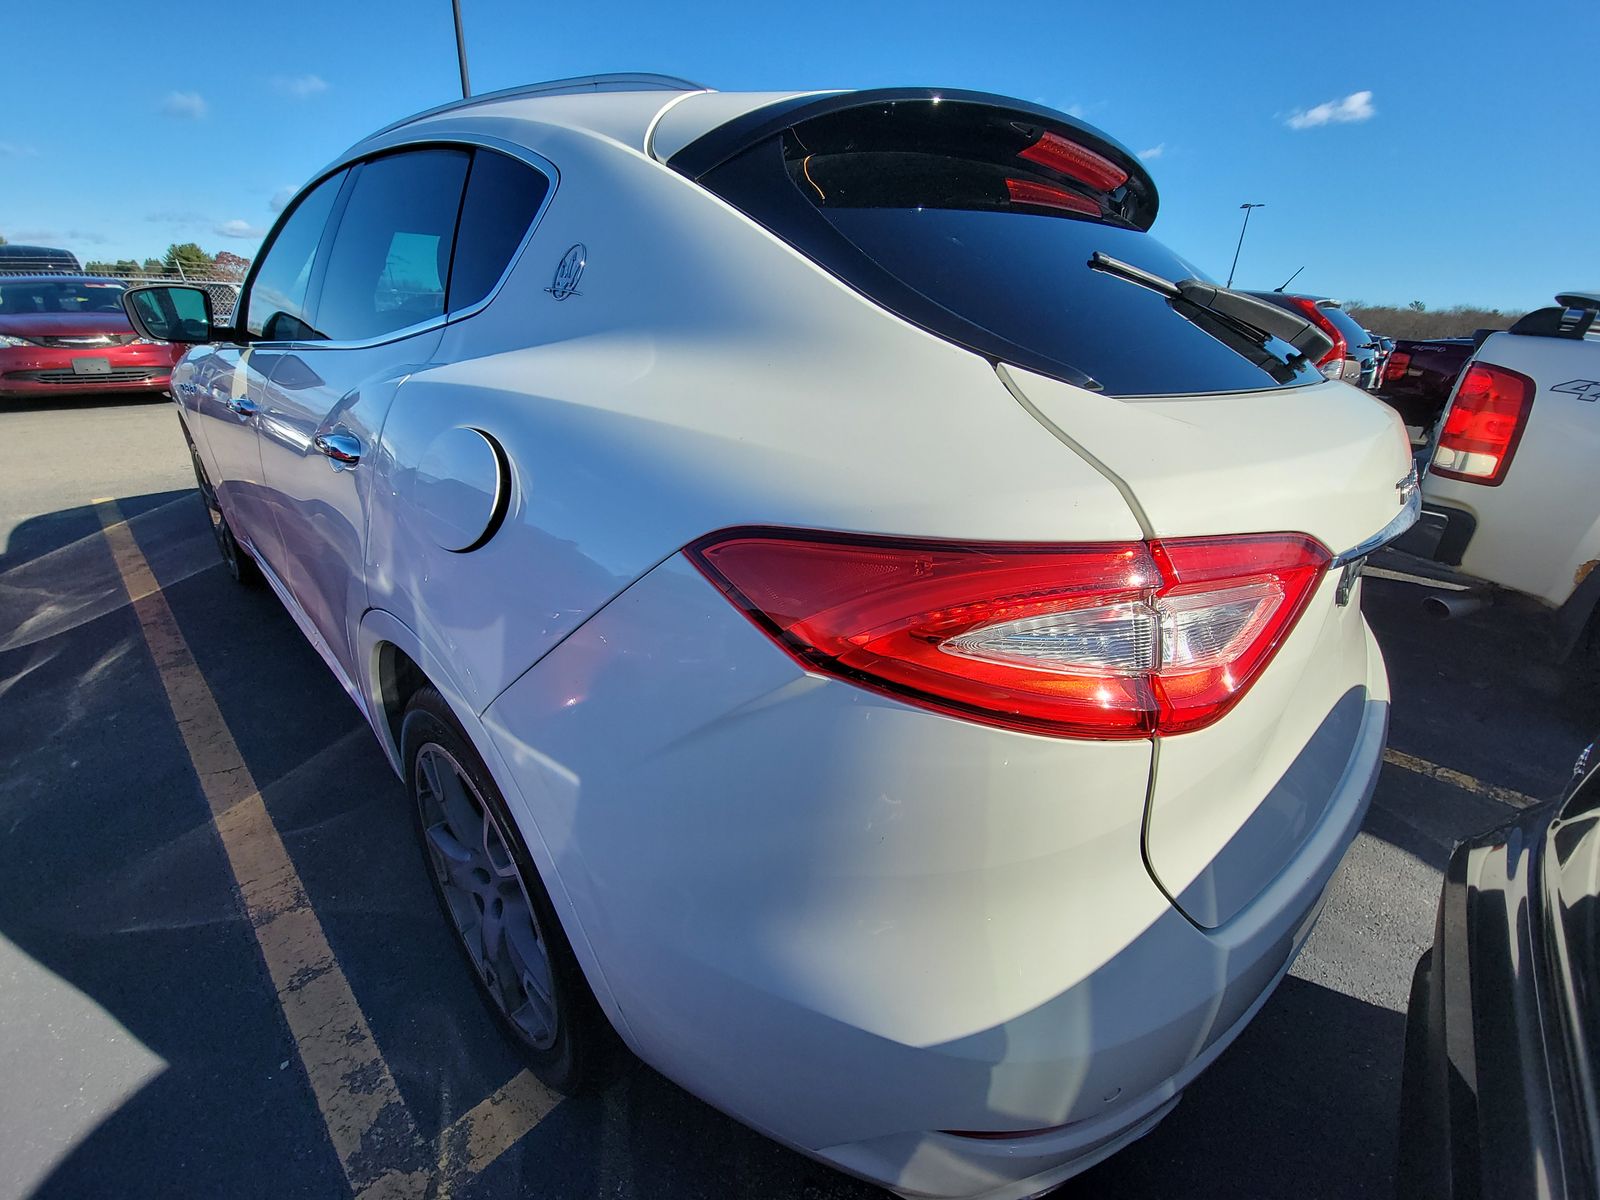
[(397, 666)]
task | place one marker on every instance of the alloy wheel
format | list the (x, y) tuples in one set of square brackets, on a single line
[(484, 893)]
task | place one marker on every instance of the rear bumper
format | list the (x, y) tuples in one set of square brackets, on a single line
[(1442, 534), (854, 924)]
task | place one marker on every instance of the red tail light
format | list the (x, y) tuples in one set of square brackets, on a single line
[(1046, 195), (1056, 152), (1399, 362), (1110, 640), (1312, 312), (1485, 424)]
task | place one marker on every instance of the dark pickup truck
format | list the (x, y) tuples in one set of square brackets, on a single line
[(1419, 375)]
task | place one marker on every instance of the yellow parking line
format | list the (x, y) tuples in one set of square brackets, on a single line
[(1457, 779), (483, 1133), (366, 1118)]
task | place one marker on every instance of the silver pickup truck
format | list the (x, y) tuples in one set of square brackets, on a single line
[(1511, 496)]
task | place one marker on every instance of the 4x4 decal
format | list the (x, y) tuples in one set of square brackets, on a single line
[(1583, 389)]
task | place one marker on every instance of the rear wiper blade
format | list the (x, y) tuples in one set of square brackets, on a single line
[(1260, 316)]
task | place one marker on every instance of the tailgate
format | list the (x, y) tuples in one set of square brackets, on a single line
[(1232, 804)]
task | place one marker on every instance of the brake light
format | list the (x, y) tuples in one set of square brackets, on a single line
[(1332, 363), (1047, 195), (1109, 640), (1056, 152), (1486, 420), (1399, 362)]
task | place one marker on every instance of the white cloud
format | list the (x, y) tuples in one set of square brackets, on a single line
[(189, 106), (1080, 111), (17, 150), (281, 197), (1357, 106), (300, 86), (238, 229), (176, 217), (1155, 151), (55, 237)]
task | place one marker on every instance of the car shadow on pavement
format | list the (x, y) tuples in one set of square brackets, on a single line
[(159, 1061), (1303, 1105), (37, 536)]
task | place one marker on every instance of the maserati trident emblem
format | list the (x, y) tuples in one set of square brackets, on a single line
[(568, 271)]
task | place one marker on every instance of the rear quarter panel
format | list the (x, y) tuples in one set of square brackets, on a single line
[(705, 375)]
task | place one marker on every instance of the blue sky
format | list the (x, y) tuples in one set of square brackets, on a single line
[(1441, 152)]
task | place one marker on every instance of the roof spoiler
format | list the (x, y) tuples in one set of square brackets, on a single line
[(715, 147), (1573, 317)]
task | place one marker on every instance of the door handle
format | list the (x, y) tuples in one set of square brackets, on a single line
[(241, 406), (342, 449)]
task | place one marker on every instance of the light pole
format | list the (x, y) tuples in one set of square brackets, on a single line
[(1236, 249), (461, 50)]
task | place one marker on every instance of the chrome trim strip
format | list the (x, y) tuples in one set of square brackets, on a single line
[(1404, 520)]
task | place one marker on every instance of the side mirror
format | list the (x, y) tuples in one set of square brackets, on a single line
[(171, 313)]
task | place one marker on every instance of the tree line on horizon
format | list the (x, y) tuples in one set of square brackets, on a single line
[(1417, 321), (182, 259)]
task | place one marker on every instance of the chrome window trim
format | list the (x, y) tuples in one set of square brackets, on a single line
[(388, 146)]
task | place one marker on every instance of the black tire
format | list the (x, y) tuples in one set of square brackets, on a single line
[(583, 1044), (234, 557)]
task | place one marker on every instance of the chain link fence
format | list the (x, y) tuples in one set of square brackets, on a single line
[(223, 290)]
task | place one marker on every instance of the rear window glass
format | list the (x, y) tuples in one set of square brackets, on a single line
[(979, 224), (1354, 335), (503, 197)]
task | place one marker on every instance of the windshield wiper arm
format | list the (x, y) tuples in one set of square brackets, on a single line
[(1260, 316)]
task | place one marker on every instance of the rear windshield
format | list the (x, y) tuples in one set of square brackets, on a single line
[(1354, 334), (978, 224)]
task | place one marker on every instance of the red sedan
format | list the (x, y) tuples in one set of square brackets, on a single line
[(65, 335)]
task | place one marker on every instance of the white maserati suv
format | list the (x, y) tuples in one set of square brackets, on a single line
[(854, 613)]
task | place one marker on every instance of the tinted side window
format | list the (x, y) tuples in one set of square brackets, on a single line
[(391, 253), (503, 197), (277, 308)]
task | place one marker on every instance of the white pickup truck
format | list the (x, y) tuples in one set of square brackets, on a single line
[(1511, 497)]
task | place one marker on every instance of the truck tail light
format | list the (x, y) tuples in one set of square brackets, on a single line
[(1330, 364), (1486, 420), (1106, 640), (1397, 366)]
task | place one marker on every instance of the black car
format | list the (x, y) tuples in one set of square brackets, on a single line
[(34, 260), (1354, 357), (1498, 1096)]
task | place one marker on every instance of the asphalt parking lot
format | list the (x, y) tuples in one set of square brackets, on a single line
[(158, 1035)]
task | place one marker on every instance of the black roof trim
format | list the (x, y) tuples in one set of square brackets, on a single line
[(716, 146)]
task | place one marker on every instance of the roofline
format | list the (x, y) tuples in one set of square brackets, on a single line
[(615, 81)]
